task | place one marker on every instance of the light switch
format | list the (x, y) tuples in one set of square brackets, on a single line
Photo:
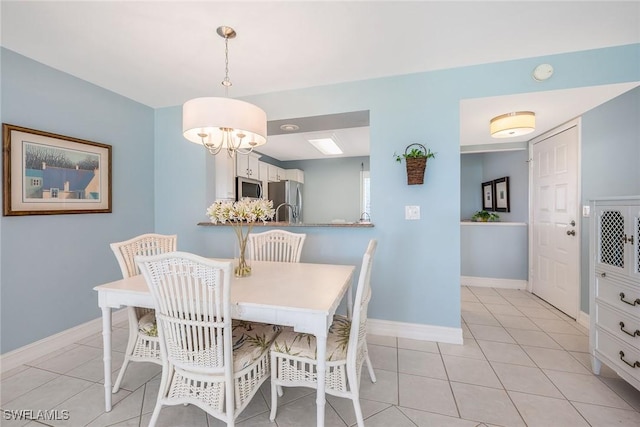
[(586, 210), (412, 212)]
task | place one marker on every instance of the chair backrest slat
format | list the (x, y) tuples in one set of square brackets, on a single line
[(193, 309), (276, 245), (146, 245)]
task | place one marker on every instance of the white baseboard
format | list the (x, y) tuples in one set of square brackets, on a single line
[(490, 282), (415, 331), (33, 351), (583, 319)]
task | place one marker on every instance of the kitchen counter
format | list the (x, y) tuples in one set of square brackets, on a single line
[(500, 223), (281, 224)]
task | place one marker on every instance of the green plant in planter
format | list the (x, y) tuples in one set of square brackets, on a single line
[(415, 153), (416, 162), (484, 216)]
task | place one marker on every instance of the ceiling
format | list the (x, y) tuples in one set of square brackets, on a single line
[(354, 142), (162, 53), (552, 109), (350, 131)]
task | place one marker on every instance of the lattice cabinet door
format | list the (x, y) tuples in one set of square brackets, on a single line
[(618, 231), (635, 242), (610, 244)]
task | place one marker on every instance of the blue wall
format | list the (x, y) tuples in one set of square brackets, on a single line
[(610, 162), (494, 250), (183, 187), (470, 181), (50, 264), (417, 267), (610, 149), (514, 165), (481, 167), (331, 188)]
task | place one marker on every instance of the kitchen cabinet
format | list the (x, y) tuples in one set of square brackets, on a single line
[(295, 175), (614, 284), (247, 165), (225, 175), (276, 174)]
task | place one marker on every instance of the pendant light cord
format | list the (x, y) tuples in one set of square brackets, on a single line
[(226, 82)]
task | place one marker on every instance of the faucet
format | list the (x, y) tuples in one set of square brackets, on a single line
[(293, 212), (365, 217)]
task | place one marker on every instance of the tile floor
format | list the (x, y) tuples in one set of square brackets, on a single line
[(522, 363)]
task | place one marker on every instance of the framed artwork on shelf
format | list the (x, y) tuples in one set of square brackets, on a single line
[(488, 196), (501, 195), (47, 174)]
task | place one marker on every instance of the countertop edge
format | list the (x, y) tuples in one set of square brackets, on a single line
[(504, 223), (285, 224)]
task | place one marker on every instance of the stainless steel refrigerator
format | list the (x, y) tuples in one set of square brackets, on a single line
[(288, 193)]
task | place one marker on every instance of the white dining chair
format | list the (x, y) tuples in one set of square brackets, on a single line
[(207, 360), (276, 245), (143, 345), (293, 354)]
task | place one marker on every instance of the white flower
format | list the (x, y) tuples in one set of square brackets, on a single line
[(245, 210)]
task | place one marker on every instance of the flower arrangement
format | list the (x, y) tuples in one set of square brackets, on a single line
[(247, 211)]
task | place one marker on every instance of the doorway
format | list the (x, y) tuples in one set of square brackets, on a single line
[(554, 236)]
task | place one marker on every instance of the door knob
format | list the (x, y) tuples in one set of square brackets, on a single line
[(573, 223), (571, 233)]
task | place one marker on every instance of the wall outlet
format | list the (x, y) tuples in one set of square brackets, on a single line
[(586, 211), (412, 212)]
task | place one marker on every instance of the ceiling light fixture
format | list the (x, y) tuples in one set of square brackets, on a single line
[(513, 124), (326, 146), (289, 127), (228, 123)]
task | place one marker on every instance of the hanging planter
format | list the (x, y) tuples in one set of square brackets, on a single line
[(416, 161)]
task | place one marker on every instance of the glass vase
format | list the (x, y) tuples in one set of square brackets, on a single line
[(242, 265)]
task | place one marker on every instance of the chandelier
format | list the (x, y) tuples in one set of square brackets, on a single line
[(224, 123)]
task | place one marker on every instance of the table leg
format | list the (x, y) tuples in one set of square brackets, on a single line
[(106, 344), (349, 302), (321, 343)]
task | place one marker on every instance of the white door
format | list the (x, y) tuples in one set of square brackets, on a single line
[(555, 259)]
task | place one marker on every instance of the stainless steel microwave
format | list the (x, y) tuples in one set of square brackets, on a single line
[(248, 188)]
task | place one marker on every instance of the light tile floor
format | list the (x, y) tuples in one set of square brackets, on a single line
[(522, 363)]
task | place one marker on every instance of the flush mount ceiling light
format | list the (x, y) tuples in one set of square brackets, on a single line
[(513, 124), (326, 146), (218, 123)]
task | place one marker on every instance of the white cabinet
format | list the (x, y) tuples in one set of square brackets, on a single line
[(225, 175), (295, 175), (247, 165), (615, 287), (276, 174)]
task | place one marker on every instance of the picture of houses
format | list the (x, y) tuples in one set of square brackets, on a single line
[(55, 173)]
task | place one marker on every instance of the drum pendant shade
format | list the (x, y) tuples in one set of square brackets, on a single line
[(213, 116)]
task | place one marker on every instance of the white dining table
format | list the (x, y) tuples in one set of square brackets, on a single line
[(302, 295)]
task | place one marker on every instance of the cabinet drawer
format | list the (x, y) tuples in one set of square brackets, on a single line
[(609, 291), (610, 347), (610, 319)]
